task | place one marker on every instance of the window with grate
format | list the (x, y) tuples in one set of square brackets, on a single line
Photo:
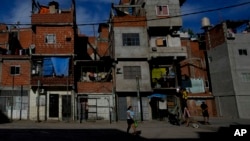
[(131, 72), (50, 38), (245, 77), (130, 39), (14, 70)]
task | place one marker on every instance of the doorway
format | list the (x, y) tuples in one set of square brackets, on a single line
[(53, 105), (66, 107)]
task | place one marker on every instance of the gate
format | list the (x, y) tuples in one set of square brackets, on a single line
[(14, 107)]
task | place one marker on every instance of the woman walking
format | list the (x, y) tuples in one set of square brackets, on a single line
[(130, 120)]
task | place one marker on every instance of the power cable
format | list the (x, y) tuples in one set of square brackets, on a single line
[(181, 15)]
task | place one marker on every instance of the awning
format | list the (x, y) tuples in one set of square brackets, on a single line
[(162, 96)]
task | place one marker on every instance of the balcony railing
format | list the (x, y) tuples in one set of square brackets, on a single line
[(52, 81), (94, 87)]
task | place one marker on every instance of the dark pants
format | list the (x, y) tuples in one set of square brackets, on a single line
[(129, 122)]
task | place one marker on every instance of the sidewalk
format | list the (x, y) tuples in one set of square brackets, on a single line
[(150, 129)]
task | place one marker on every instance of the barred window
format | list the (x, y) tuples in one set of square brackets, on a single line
[(14, 70), (130, 39), (50, 38), (245, 77), (131, 72)]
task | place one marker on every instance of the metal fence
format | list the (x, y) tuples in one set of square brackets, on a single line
[(14, 107)]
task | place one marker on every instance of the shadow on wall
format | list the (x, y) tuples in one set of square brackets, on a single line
[(3, 118)]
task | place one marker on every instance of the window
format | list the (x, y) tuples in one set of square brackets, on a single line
[(50, 38), (14, 70), (131, 39), (162, 10), (131, 72), (161, 42), (242, 52), (245, 77)]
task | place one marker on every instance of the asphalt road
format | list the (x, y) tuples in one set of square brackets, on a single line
[(103, 130)]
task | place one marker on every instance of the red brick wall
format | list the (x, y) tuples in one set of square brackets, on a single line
[(94, 87), (193, 52), (216, 35), (4, 37), (22, 79), (61, 46), (52, 18), (103, 44), (129, 21), (104, 32), (25, 38)]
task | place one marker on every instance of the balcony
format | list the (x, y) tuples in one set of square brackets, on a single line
[(167, 51), (52, 81), (94, 87)]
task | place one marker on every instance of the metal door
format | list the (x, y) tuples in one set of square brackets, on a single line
[(53, 105), (66, 107), (122, 108)]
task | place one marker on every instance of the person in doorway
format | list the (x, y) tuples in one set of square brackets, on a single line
[(186, 115), (205, 113), (130, 120)]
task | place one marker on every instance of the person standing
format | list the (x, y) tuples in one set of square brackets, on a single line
[(186, 115), (205, 113), (130, 119), (184, 97)]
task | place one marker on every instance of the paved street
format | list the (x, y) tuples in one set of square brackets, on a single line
[(103, 130)]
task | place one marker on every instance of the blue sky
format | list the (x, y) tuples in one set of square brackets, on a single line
[(97, 11), (193, 21)]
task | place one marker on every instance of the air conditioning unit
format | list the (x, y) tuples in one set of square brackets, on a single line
[(154, 49)]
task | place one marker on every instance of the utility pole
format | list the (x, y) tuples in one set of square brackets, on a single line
[(21, 102), (38, 101), (139, 99)]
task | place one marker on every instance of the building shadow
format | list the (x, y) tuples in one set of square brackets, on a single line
[(3, 118), (99, 135), (66, 135)]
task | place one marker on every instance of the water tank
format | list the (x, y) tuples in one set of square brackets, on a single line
[(205, 22), (53, 7)]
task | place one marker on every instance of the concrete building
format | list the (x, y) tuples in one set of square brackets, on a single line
[(227, 47), (147, 50)]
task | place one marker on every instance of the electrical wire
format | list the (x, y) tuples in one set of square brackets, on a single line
[(181, 15)]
